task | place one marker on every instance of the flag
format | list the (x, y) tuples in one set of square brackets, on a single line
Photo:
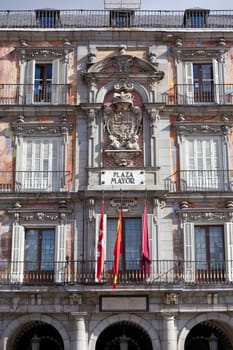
[(100, 247), (117, 249), (145, 245)]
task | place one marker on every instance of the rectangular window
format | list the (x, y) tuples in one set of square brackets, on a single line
[(209, 251), (131, 232), (203, 82), (203, 164), (39, 254), (199, 82), (120, 18), (41, 166), (43, 83)]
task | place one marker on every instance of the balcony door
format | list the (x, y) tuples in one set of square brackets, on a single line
[(203, 82), (199, 82), (39, 255), (43, 83), (131, 255), (209, 252), (41, 166), (203, 164)]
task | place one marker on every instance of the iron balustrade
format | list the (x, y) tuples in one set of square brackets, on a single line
[(29, 181), (159, 272), (180, 94), (18, 94), (219, 19), (198, 93), (200, 180)]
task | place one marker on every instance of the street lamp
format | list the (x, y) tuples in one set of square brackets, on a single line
[(124, 342), (35, 343), (213, 342)]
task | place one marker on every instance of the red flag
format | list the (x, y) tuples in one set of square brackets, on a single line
[(145, 244), (100, 248), (117, 249)]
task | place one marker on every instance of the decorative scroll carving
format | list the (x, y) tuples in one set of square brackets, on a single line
[(123, 123), (184, 128), (125, 204), (205, 215), (27, 53), (198, 53), (41, 129), (25, 216)]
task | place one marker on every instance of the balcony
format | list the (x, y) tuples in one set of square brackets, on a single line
[(160, 272), (101, 19), (21, 94), (34, 181), (193, 94), (200, 180)]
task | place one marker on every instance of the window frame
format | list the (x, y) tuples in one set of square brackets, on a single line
[(53, 180)]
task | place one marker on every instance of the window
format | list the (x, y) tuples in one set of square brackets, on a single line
[(40, 164), (131, 232), (196, 18), (209, 249), (202, 163), (199, 82), (120, 18), (43, 83), (39, 254), (48, 18), (203, 82)]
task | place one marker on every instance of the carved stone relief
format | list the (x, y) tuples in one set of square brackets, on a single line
[(123, 125)]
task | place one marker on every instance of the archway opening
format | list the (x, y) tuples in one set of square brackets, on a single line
[(207, 336), (124, 335), (38, 335)]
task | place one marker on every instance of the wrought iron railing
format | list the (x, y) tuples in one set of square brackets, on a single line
[(158, 272), (29, 181), (200, 180), (198, 93), (18, 94), (103, 19)]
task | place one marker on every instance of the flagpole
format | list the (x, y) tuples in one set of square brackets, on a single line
[(117, 246), (146, 260), (100, 247)]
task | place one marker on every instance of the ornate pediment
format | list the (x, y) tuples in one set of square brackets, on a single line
[(123, 66)]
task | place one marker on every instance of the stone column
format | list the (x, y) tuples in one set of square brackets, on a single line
[(170, 333), (79, 335)]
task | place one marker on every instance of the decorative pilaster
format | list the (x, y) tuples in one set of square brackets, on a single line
[(79, 336), (154, 119)]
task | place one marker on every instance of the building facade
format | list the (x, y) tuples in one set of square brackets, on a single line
[(130, 110)]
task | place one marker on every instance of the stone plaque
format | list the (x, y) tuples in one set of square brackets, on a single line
[(124, 303), (126, 177)]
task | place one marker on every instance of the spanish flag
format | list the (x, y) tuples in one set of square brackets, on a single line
[(117, 249)]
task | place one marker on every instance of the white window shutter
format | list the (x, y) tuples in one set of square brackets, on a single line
[(29, 81), (56, 95), (17, 253), (228, 233), (218, 89), (188, 88), (60, 253), (189, 252)]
